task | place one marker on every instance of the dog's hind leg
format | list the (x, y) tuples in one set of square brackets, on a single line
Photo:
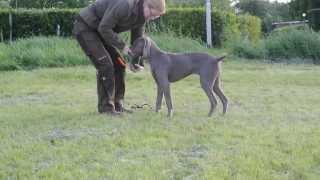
[(219, 92), (207, 87)]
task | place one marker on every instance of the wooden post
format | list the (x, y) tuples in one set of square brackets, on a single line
[(208, 23), (1, 35), (10, 24), (58, 30)]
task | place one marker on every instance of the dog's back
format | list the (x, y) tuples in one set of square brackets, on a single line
[(181, 65)]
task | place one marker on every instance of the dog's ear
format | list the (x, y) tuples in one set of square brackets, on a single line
[(221, 58)]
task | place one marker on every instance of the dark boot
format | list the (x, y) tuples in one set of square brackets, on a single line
[(102, 101), (105, 91), (120, 88), (119, 75)]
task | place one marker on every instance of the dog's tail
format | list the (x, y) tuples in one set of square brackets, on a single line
[(221, 58)]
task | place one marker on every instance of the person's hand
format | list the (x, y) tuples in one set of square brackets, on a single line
[(126, 50), (136, 67)]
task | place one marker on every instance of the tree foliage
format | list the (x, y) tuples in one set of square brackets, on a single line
[(267, 11), (4, 4), (314, 14), (217, 4), (298, 7)]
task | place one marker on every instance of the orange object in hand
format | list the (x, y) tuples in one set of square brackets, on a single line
[(121, 62)]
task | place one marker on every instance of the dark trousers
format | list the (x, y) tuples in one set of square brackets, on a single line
[(110, 74)]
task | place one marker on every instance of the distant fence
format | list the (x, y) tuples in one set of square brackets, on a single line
[(288, 23)]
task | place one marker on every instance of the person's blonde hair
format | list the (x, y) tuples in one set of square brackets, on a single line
[(159, 5)]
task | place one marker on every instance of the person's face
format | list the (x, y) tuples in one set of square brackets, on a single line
[(150, 13)]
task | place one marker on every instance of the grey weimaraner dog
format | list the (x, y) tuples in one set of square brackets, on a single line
[(170, 67)]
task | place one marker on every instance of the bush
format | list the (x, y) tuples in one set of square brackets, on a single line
[(34, 22), (246, 49), (225, 25), (286, 44), (250, 27), (294, 44), (183, 21)]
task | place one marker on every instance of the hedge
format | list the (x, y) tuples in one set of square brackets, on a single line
[(34, 22), (184, 21), (287, 44)]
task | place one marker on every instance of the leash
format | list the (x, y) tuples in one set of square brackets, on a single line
[(137, 106)]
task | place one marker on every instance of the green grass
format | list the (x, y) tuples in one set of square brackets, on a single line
[(39, 52), (49, 127)]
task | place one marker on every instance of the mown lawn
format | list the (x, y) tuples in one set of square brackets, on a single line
[(49, 127)]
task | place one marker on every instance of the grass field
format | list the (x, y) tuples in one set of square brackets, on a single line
[(49, 127)]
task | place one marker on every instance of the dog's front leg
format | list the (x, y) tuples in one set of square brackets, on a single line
[(167, 95), (159, 98), (164, 87)]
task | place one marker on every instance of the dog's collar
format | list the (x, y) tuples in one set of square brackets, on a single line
[(146, 48)]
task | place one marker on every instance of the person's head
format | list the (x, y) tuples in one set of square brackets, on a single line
[(153, 9)]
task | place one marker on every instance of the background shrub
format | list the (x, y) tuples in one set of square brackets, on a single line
[(246, 49), (294, 43), (287, 44)]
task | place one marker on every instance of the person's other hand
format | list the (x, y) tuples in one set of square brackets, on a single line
[(136, 68)]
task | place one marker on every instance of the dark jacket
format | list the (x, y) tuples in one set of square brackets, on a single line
[(110, 17)]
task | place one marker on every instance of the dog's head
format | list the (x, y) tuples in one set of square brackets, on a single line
[(141, 48)]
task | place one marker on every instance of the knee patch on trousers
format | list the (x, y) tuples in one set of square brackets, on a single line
[(104, 61)]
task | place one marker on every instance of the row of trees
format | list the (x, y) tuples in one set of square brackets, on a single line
[(267, 11), (271, 12)]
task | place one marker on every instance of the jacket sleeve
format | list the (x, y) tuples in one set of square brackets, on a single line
[(136, 33), (109, 20)]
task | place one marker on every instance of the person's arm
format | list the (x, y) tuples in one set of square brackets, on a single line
[(136, 33), (110, 19)]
